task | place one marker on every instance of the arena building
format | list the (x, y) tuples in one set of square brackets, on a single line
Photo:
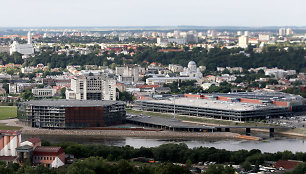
[(71, 113), (234, 106)]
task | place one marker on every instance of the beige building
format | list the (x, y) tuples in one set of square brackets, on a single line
[(95, 87), (243, 41)]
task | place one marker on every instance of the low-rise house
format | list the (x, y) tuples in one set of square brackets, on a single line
[(286, 164), (49, 156), (162, 90)]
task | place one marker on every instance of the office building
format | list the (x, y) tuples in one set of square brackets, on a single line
[(129, 73), (92, 87)]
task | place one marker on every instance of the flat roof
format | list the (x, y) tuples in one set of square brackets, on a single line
[(170, 122), (262, 95), (213, 104), (72, 103)]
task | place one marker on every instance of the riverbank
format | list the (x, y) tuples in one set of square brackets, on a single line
[(133, 133), (129, 133)]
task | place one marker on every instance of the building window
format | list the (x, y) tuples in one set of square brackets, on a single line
[(44, 158), (47, 158)]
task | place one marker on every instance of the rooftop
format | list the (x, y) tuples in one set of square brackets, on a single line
[(10, 132), (213, 104), (263, 95), (72, 103), (7, 158), (47, 149), (290, 164), (34, 140), (171, 122)]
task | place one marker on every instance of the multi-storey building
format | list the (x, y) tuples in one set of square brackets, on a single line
[(282, 31), (92, 87), (243, 41), (128, 73)]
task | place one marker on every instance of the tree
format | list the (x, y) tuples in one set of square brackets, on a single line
[(124, 167), (27, 95), (6, 86), (169, 168), (219, 169), (246, 166), (63, 93), (300, 169)]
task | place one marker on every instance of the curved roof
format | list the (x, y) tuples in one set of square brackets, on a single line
[(192, 63)]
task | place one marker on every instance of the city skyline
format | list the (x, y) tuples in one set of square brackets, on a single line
[(35, 13)]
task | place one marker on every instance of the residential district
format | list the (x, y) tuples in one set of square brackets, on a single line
[(85, 79)]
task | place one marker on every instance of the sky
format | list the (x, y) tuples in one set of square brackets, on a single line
[(61, 13)]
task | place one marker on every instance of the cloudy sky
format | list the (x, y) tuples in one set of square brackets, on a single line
[(33, 13)]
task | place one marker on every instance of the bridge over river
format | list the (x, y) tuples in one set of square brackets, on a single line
[(172, 124)]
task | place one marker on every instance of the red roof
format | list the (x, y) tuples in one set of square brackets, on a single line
[(147, 86), (171, 50), (290, 164), (7, 158), (47, 150), (10, 132), (34, 140)]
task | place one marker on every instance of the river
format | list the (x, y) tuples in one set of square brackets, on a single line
[(277, 143)]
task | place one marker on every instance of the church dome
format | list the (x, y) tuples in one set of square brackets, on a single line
[(192, 65)]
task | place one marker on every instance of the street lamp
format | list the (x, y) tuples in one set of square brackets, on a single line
[(174, 105)]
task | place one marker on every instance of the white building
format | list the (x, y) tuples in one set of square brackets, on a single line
[(263, 37), (95, 87), (282, 31), (25, 49), (43, 92), (192, 71), (167, 80), (243, 41), (175, 68), (246, 33), (279, 73), (289, 31)]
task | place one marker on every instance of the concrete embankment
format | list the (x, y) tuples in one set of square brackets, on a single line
[(128, 133)]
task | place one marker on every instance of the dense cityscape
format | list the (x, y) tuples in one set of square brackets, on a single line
[(154, 99)]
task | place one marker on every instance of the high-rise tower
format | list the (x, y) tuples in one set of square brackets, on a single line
[(29, 37)]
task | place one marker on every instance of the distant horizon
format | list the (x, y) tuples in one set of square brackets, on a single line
[(162, 26), (76, 13)]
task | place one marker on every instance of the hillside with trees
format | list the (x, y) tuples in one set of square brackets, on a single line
[(272, 56)]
